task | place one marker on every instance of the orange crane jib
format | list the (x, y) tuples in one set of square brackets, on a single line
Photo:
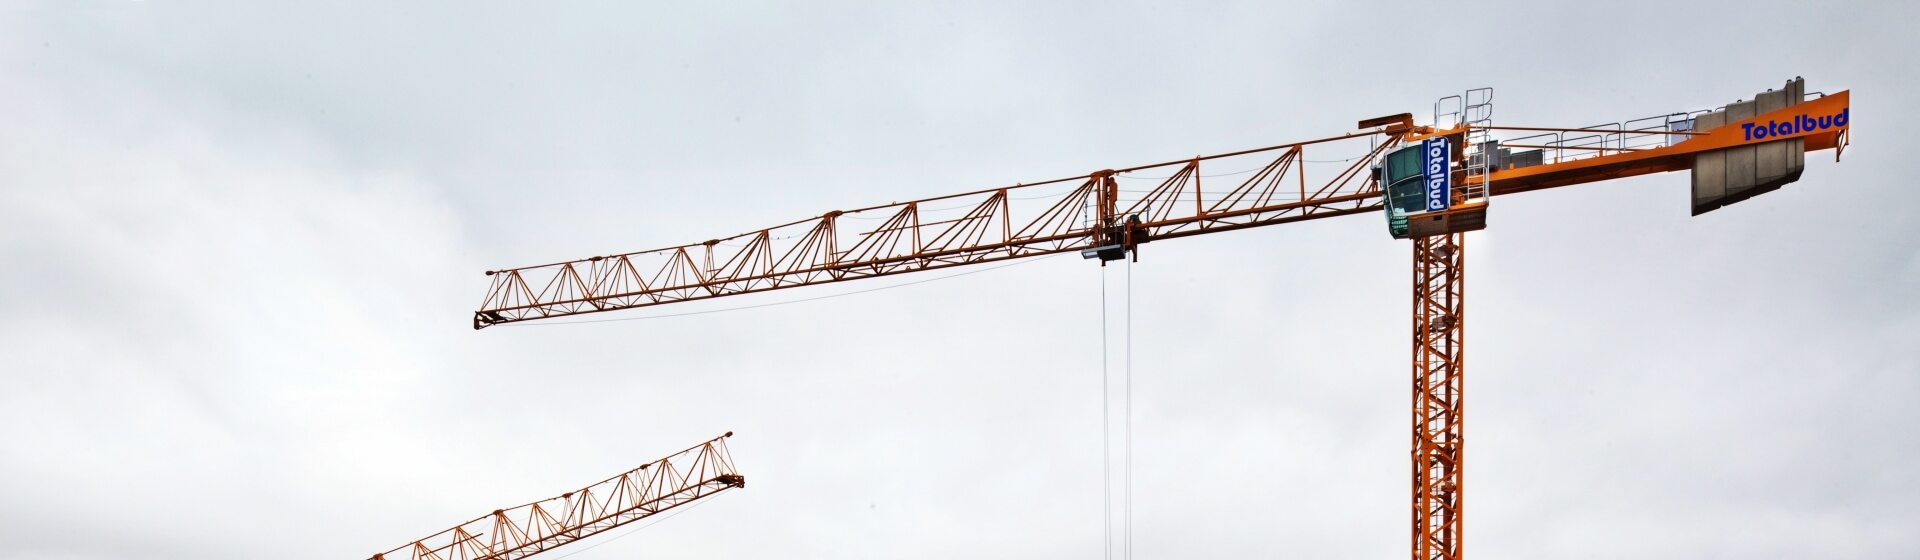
[(1734, 152), (528, 529)]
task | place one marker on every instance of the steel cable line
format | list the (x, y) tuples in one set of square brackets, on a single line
[(1106, 438), (1128, 479)]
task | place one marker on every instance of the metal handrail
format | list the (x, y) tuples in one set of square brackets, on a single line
[(1562, 145)]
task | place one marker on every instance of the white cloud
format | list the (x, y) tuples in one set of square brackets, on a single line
[(241, 244)]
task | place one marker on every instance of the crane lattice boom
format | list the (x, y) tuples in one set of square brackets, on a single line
[(521, 531), (1109, 208)]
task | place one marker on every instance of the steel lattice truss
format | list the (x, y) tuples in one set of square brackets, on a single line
[(1268, 186), (1439, 301), (518, 532)]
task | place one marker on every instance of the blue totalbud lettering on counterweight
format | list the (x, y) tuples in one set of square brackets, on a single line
[(1801, 124)]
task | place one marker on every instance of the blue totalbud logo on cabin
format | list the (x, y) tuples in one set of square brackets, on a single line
[(1435, 159), (1800, 124)]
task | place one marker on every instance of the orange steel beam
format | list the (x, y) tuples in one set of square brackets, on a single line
[(518, 532), (1439, 354), (1677, 156)]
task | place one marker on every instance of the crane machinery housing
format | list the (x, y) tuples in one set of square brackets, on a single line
[(1433, 183)]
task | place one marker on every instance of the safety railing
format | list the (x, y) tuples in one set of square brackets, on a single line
[(1478, 113), (1573, 144), (1447, 112)]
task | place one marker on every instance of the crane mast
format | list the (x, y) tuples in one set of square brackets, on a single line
[(528, 529), (1433, 183), (1439, 353)]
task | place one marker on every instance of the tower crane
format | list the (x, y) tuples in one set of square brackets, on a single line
[(528, 529), (1433, 183)]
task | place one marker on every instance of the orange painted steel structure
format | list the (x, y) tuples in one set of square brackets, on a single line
[(982, 226), (1439, 359), (518, 532), (1096, 215)]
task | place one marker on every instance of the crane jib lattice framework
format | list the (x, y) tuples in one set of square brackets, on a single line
[(1734, 152), (528, 529)]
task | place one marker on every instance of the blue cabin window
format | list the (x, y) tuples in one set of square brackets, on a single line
[(1405, 192), (1403, 164)]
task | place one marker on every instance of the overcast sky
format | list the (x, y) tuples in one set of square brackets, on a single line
[(243, 242)]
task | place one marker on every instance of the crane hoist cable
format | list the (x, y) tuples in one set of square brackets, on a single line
[(1106, 436), (1126, 413)]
